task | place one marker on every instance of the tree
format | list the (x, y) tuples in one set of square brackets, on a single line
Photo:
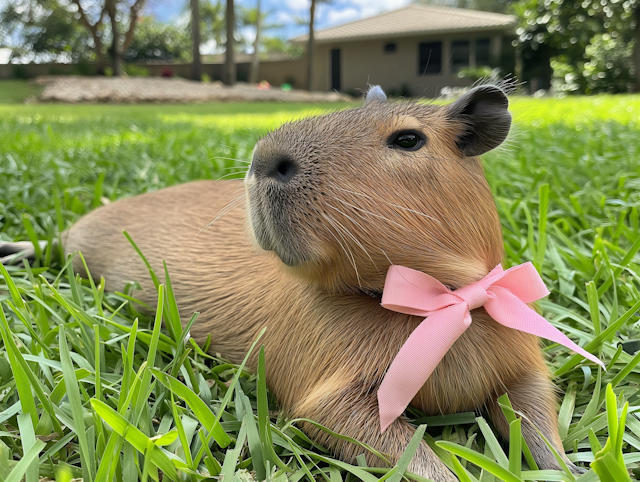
[(52, 31), (229, 77), (111, 9), (40, 31), (636, 48), (156, 41), (277, 44), (311, 45), (255, 60), (196, 70), (572, 37), (256, 18), (212, 20), (63, 29)]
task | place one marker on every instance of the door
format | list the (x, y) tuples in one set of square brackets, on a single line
[(335, 70)]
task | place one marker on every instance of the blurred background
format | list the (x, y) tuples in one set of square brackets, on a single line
[(426, 48)]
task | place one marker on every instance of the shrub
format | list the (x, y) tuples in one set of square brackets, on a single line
[(608, 68), (136, 71), (477, 73)]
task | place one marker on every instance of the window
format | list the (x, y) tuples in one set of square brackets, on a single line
[(430, 60), (390, 48), (483, 52), (459, 54)]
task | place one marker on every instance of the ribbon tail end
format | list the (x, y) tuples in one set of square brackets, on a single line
[(594, 359), (385, 421)]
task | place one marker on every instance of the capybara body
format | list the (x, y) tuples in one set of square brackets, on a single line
[(302, 247)]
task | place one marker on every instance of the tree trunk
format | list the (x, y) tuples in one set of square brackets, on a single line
[(255, 60), (116, 54), (311, 46), (519, 65), (636, 50), (196, 65), (229, 63), (93, 28)]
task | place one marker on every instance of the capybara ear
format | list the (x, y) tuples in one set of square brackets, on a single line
[(486, 120), (375, 92)]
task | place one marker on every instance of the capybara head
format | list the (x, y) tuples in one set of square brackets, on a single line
[(340, 197)]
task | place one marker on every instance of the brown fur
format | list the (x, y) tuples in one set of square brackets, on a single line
[(355, 207)]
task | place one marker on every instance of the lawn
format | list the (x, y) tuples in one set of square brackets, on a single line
[(85, 382), (17, 91)]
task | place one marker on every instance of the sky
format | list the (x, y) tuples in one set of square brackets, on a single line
[(286, 12)]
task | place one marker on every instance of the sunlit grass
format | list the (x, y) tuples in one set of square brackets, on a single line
[(567, 186)]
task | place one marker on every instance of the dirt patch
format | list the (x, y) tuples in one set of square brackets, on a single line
[(142, 89)]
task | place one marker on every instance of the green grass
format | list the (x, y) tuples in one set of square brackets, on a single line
[(99, 384), (17, 91)]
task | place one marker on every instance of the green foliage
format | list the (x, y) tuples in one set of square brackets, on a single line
[(42, 30), (17, 91), (608, 68), (60, 31), (213, 28), (567, 188), (588, 44), (213, 25), (477, 73), (155, 41), (136, 71), (280, 45)]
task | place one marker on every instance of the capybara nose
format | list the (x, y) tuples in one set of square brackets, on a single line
[(279, 167)]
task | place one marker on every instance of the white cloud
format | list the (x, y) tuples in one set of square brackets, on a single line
[(298, 5), (283, 17), (372, 7), (336, 17)]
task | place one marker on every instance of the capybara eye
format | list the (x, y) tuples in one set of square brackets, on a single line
[(407, 140)]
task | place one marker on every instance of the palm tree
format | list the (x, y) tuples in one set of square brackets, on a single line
[(311, 45), (196, 65), (229, 77), (636, 49), (255, 60), (256, 18)]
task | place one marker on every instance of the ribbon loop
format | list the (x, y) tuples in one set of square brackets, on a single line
[(504, 294)]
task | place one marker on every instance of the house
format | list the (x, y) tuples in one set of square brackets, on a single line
[(416, 50)]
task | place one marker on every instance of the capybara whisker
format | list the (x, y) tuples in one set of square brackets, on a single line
[(241, 171), (391, 204), (231, 159), (344, 246), (234, 203)]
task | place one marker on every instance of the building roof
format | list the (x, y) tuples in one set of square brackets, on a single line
[(414, 20)]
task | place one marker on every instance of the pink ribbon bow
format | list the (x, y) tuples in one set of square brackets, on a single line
[(503, 294)]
